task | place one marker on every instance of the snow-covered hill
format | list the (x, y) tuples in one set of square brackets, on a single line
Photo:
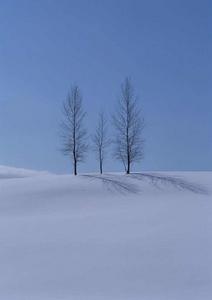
[(10, 172), (146, 236)]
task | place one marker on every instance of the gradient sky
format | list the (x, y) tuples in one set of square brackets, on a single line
[(165, 46)]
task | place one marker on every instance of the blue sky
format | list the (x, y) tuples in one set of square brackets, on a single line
[(165, 46)]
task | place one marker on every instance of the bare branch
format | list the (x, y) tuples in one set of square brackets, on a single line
[(73, 132), (100, 140), (129, 126)]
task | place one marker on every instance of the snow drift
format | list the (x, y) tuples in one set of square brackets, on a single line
[(143, 236)]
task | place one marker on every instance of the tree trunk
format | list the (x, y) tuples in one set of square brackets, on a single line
[(75, 167), (128, 162), (100, 167), (128, 165)]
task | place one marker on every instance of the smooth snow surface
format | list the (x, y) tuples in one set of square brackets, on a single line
[(144, 236)]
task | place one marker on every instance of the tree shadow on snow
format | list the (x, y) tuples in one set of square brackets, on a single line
[(178, 182), (122, 184), (115, 182)]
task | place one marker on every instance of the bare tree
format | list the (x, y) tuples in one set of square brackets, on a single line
[(73, 132), (129, 125), (100, 140)]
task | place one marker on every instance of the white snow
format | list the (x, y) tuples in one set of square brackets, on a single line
[(9, 172), (139, 237)]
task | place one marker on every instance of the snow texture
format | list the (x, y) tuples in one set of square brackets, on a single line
[(145, 236)]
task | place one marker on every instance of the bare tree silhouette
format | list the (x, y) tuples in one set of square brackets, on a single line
[(73, 131), (129, 126), (100, 140)]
